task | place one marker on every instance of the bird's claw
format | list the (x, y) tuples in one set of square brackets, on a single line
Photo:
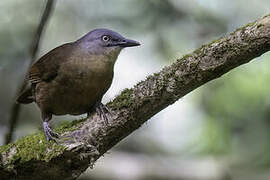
[(104, 113), (49, 133)]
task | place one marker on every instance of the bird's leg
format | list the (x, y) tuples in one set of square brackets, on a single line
[(90, 111), (49, 133), (103, 112)]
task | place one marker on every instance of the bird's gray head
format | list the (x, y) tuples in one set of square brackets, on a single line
[(105, 41)]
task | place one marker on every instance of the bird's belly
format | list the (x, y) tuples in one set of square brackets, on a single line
[(76, 92)]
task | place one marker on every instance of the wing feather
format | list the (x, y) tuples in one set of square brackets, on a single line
[(46, 68)]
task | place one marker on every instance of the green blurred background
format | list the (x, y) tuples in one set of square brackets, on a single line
[(220, 131)]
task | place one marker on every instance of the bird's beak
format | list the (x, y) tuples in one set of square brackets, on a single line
[(129, 43)]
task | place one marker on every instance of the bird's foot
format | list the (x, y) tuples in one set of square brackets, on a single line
[(49, 133), (103, 112)]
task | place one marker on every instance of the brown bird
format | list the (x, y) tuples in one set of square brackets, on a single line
[(72, 78)]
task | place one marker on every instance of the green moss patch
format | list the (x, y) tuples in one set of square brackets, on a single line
[(69, 126), (123, 100), (36, 147)]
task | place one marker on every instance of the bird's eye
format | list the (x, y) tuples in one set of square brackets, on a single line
[(105, 38)]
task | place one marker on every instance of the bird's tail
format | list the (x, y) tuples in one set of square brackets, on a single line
[(25, 97)]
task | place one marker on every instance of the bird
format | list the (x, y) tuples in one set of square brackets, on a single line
[(72, 78)]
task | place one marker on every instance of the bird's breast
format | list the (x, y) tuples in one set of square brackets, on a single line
[(87, 72), (81, 84)]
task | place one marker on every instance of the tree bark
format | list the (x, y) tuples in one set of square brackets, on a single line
[(86, 140)]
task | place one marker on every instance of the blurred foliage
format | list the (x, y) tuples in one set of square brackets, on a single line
[(238, 113)]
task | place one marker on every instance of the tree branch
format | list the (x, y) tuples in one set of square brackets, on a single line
[(15, 108), (34, 158)]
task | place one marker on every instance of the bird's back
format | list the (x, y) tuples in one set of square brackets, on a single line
[(44, 69)]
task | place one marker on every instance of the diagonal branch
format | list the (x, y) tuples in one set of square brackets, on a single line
[(15, 108), (33, 158)]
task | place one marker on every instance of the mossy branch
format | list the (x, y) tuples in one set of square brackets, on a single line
[(34, 158)]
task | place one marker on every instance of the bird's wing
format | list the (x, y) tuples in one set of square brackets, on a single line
[(46, 68)]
